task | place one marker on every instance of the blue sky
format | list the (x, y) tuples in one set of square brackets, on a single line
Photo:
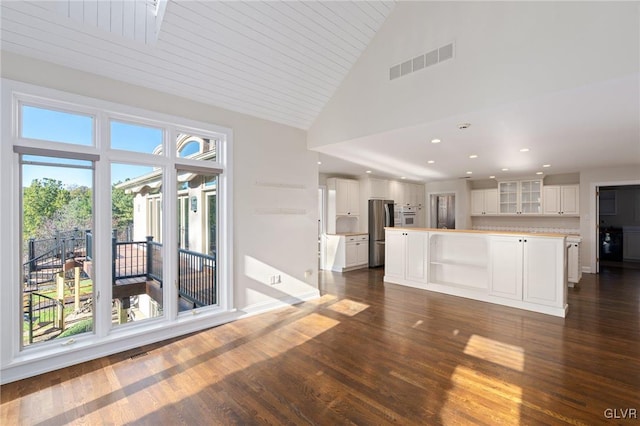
[(57, 126)]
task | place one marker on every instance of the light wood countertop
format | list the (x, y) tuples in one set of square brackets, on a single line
[(474, 231)]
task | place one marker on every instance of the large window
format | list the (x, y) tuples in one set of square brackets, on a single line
[(137, 248), (57, 225), (114, 227)]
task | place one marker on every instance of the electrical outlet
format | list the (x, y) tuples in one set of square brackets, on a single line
[(275, 279)]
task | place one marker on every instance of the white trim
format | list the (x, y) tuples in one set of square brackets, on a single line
[(54, 153), (259, 308), (16, 363)]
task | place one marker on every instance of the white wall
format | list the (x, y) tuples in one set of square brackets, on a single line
[(264, 152), (589, 180), (505, 51)]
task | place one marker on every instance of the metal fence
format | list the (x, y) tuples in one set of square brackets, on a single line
[(43, 314), (197, 277)]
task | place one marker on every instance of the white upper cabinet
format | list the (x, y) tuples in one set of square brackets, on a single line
[(484, 201), (347, 196), (379, 189), (397, 192), (406, 194), (563, 200), (520, 197), (415, 193)]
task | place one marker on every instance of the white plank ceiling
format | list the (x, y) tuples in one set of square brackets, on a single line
[(281, 61)]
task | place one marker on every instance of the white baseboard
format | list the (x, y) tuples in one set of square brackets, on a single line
[(270, 305), (586, 269)]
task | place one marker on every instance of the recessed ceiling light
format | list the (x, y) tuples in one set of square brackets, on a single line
[(403, 177), (539, 173), (430, 162), (469, 173), (368, 171), (492, 177), (435, 141), (524, 149), (505, 170), (473, 156), (319, 162), (546, 165)]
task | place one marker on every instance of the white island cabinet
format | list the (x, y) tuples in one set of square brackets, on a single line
[(405, 257), (526, 271), (529, 269)]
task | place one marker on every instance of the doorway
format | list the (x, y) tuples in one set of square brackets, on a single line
[(618, 226), (442, 211), (321, 221)]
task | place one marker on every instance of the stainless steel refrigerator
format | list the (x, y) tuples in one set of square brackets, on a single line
[(443, 211), (380, 216)]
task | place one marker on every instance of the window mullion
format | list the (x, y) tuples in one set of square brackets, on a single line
[(102, 244)]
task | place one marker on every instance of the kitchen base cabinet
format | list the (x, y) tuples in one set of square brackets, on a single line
[(505, 268), (522, 271), (544, 269), (531, 269), (406, 257), (574, 271), (345, 252)]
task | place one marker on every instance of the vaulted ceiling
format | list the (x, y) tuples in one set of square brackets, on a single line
[(562, 88), (281, 61)]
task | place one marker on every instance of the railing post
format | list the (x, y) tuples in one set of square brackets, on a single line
[(30, 319), (114, 254), (59, 323), (149, 256), (56, 238), (87, 244), (63, 255), (32, 254)]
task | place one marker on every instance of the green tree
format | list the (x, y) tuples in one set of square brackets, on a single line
[(41, 200), (121, 208)]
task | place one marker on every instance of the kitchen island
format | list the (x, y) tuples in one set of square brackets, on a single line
[(521, 270)]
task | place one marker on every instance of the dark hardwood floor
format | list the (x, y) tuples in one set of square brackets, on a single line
[(368, 353)]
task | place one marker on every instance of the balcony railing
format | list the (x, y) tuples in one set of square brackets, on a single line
[(197, 277), (133, 259)]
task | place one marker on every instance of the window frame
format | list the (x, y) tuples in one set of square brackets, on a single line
[(17, 362)]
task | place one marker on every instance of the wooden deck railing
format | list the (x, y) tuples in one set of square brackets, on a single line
[(143, 259)]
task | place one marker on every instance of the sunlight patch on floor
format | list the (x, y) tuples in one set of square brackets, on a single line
[(470, 394), (325, 298), (348, 307), (500, 353), (237, 360)]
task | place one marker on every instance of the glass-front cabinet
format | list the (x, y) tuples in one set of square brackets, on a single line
[(508, 196), (520, 197)]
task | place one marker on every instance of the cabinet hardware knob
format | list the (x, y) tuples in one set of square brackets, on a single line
[(519, 241)]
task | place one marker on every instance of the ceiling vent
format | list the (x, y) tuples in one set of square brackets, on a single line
[(421, 62)]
